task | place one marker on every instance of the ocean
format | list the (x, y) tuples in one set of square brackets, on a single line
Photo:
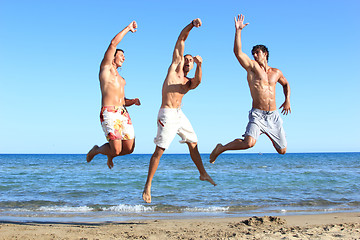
[(64, 187)]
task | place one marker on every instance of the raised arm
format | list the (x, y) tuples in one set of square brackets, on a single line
[(198, 73), (286, 87), (110, 52), (178, 54), (243, 59)]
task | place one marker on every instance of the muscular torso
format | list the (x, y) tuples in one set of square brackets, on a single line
[(112, 87), (175, 86), (262, 87)]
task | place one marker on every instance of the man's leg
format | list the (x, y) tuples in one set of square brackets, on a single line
[(279, 150), (237, 144), (154, 163), (128, 147), (195, 156), (111, 149)]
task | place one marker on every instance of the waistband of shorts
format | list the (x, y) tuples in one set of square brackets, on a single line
[(113, 108), (263, 111), (171, 109)]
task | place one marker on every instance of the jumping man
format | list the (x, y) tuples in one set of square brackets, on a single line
[(171, 120), (263, 117), (114, 117)]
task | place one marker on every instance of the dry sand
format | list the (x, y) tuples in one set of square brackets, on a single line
[(320, 226)]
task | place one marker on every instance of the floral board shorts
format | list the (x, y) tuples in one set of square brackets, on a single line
[(116, 123)]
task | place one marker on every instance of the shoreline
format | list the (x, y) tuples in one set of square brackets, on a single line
[(340, 225), (100, 217)]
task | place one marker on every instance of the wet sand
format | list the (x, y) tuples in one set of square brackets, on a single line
[(319, 226)]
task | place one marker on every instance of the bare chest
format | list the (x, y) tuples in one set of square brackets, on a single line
[(262, 79), (176, 84)]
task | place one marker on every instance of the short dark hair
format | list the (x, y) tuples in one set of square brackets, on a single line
[(188, 55), (263, 48), (117, 51)]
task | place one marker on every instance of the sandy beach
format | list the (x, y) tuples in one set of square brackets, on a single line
[(319, 226)]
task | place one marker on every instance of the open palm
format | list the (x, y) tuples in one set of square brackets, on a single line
[(239, 22)]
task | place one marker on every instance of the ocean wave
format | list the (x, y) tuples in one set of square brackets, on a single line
[(129, 208), (122, 208), (207, 209), (66, 209)]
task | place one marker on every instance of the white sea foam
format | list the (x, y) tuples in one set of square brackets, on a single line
[(66, 209), (129, 208), (208, 209)]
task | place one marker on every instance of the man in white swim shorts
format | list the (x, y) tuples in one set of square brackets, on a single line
[(264, 117), (171, 120), (115, 119)]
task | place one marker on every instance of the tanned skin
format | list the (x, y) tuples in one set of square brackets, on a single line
[(112, 91), (262, 81), (175, 86)]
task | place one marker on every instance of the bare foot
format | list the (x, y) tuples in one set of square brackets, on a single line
[(206, 177), (91, 154), (110, 163), (146, 196), (215, 153)]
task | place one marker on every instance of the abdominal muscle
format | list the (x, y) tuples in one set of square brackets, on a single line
[(171, 100), (263, 95)]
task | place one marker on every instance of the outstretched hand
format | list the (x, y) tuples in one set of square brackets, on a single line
[(133, 26), (197, 59), (196, 22), (239, 22), (286, 109)]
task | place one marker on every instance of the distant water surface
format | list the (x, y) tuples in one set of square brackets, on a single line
[(63, 187)]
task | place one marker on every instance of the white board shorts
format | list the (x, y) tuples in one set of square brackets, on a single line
[(268, 122), (172, 121)]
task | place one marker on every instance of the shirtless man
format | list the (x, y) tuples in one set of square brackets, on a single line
[(115, 119), (171, 120), (263, 117)]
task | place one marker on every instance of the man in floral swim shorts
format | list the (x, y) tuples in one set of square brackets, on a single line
[(116, 123), (114, 117)]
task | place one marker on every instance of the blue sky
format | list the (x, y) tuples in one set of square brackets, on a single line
[(50, 53)]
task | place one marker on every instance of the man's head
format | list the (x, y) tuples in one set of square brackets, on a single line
[(188, 63), (260, 53), (119, 57)]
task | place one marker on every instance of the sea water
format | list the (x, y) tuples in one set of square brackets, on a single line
[(61, 187)]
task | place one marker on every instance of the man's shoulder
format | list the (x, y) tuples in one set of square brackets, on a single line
[(276, 71), (105, 68)]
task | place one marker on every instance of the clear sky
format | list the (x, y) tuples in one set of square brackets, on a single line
[(50, 52)]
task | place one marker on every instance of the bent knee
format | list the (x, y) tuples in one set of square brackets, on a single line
[(116, 151), (131, 150), (249, 142), (127, 150), (281, 151), (192, 145)]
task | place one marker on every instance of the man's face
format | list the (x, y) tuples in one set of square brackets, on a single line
[(119, 58), (259, 55), (189, 63)]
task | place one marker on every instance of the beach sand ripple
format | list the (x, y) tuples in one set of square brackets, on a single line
[(321, 226)]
